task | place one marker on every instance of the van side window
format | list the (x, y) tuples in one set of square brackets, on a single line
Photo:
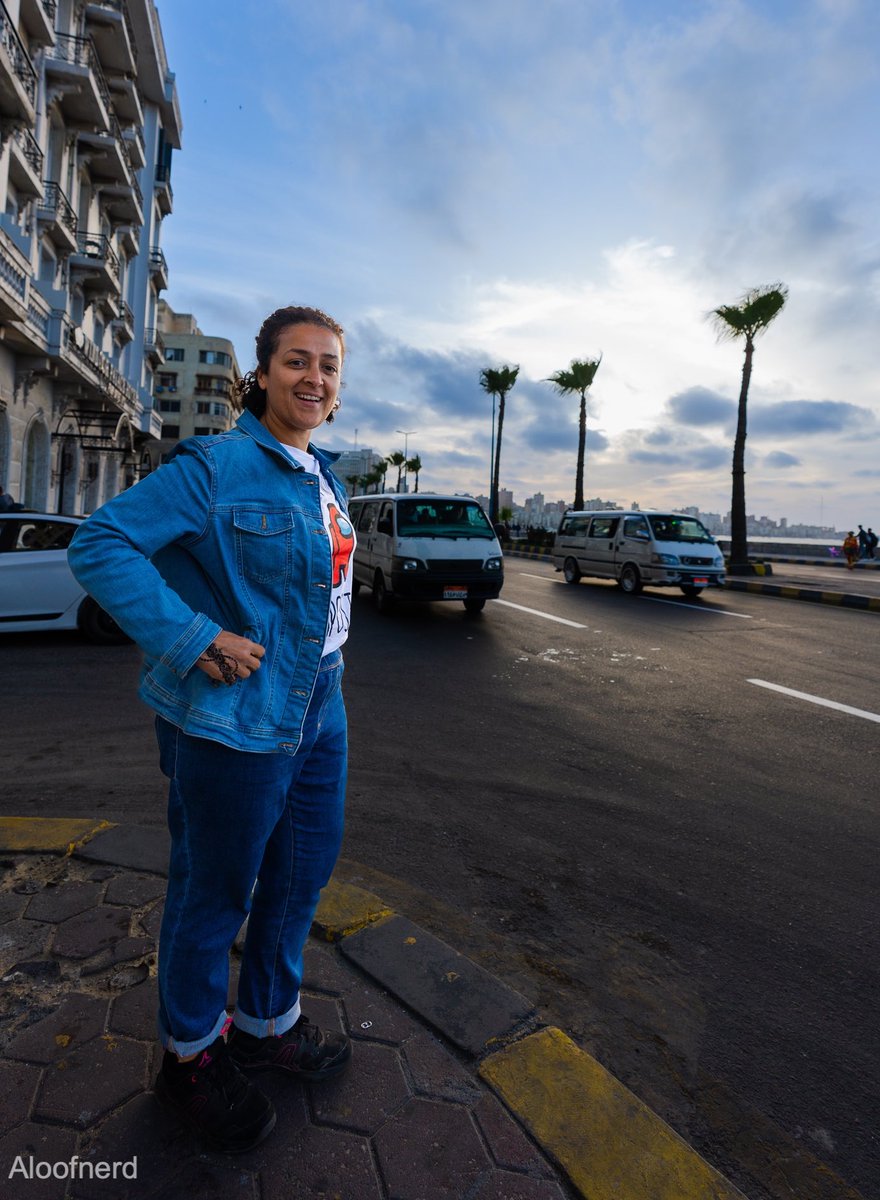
[(386, 519), (574, 526), (635, 527), (368, 518), (604, 527)]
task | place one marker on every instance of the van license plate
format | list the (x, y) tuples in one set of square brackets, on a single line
[(701, 582), (455, 592)]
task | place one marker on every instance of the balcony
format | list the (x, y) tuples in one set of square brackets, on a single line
[(158, 268), (15, 273), (220, 392), (55, 212), (96, 263), (154, 346), (128, 238), (123, 325), (137, 151), (72, 65), (25, 162), (38, 18), (162, 188), (113, 35), (106, 152), (125, 98), (18, 79), (79, 360)]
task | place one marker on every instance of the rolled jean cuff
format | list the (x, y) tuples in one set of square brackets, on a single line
[(185, 1049), (273, 1027)]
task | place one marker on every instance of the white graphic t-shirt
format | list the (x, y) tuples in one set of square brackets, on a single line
[(342, 540)]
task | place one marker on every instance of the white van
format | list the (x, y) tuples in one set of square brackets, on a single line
[(425, 547), (660, 549)]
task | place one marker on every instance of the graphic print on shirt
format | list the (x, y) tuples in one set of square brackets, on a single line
[(342, 543)]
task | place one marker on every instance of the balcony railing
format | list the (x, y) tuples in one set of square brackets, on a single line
[(158, 261), (51, 8), (97, 246), (19, 57), (153, 339), (30, 148), (222, 393), (56, 204), (81, 52)]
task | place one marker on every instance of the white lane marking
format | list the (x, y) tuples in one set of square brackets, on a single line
[(853, 712), (537, 613), (722, 612)]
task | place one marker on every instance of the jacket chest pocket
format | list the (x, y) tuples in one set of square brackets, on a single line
[(263, 543)]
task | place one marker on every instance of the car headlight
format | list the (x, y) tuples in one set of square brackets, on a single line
[(669, 560), (405, 564), (492, 564), (719, 561)]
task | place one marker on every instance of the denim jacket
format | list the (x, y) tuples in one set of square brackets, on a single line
[(228, 534)]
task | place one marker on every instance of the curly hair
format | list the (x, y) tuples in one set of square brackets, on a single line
[(248, 392)]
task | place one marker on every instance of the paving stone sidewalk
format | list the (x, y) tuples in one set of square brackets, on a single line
[(411, 1120)]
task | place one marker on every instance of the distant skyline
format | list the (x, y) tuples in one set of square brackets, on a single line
[(463, 186)]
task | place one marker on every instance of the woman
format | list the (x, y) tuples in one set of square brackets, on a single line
[(229, 566), (851, 550)]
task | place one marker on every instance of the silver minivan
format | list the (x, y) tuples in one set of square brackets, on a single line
[(425, 547), (660, 549)]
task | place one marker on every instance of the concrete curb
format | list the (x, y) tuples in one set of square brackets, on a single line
[(608, 1143)]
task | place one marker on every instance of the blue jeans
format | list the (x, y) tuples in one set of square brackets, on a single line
[(238, 818)]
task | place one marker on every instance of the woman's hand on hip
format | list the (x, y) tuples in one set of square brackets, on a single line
[(230, 658)]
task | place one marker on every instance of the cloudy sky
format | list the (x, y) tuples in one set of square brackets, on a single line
[(468, 185)]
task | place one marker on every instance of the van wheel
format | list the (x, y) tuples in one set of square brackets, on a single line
[(630, 580), (383, 598), (98, 626), (570, 571), (474, 605), (690, 590)]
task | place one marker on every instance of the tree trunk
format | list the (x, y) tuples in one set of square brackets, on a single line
[(493, 499), (582, 441), (739, 547)]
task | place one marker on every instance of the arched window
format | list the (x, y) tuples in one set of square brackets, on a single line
[(35, 466)]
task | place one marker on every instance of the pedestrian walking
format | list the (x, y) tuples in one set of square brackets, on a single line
[(872, 542), (863, 542), (851, 549), (229, 566)]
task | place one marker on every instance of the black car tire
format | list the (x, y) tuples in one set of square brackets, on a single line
[(570, 571), (98, 626), (384, 599), (690, 591), (474, 605), (630, 580)]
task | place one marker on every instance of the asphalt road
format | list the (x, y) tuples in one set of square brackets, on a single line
[(590, 794)]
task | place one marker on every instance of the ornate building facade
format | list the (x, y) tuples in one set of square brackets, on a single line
[(89, 119)]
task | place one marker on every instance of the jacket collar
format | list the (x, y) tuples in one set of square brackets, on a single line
[(255, 428)]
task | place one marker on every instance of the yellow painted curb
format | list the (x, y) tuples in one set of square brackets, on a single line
[(832, 598), (344, 908), (47, 834), (611, 1145)]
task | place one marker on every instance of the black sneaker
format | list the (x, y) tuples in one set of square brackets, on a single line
[(212, 1096), (304, 1050)]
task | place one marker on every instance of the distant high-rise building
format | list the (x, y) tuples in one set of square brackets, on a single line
[(194, 386)]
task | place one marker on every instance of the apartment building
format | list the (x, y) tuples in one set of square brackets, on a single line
[(89, 119), (194, 385)]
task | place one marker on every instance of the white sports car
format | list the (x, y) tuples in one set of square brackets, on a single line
[(37, 587)]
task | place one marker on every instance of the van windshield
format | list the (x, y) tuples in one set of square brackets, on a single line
[(679, 529), (442, 519)]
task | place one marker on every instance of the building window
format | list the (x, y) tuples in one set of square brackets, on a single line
[(174, 354), (202, 406), (212, 385), (216, 358), (218, 410), (216, 431), (169, 406), (201, 431), (167, 381), (170, 431)]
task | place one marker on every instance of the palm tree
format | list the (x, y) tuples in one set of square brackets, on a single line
[(354, 480), (414, 464), (497, 382), (365, 481), (756, 309), (374, 479), (397, 459), (381, 468), (576, 381)]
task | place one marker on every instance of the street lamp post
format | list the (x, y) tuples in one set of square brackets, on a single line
[(406, 435)]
